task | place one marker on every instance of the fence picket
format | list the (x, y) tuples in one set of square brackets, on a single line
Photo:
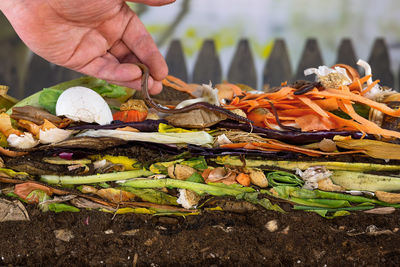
[(380, 63), (310, 58), (242, 68), (208, 66), (176, 60), (346, 54), (277, 67)]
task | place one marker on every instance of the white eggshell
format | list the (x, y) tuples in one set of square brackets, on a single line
[(54, 135), (24, 141), (83, 104)]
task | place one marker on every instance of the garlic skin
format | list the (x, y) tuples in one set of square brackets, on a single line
[(313, 175), (24, 141), (376, 93), (83, 104), (209, 95), (330, 77)]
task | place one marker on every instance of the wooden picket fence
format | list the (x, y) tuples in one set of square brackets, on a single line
[(277, 67), (242, 69)]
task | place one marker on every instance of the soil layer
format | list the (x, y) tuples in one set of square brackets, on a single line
[(215, 238)]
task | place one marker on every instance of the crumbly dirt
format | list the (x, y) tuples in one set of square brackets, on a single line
[(214, 238)]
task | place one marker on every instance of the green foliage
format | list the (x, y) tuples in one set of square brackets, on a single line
[(277, 178), (196, 178), (152, 195), (61, 207), (48, 99)]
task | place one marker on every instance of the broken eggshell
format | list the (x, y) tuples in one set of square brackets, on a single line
[(83, 104), (188, 199), (24, 141), (54, 135)]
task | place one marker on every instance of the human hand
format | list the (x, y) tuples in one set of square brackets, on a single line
[(101, 38)]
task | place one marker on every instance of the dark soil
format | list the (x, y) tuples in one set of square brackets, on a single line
[(213, 238)]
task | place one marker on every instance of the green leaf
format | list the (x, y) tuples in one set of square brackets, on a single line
[(324, 213), (263, 202), (3, 140), (110, 90), (11, 173), (278, 178), (152, 196), (323, 203), (102, 87), (196, 178), (359, 207), (360, 109), (162, 167), (61, 207), (48, 99), (196, 163), (104, 185)]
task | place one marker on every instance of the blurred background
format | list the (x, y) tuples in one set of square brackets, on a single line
[(227, 22)]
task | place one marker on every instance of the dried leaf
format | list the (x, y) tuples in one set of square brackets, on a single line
[(115, 195), (12, 211), (84, 203), (24, 189), (111, 194), (34, 114), (197, 118), (86, 142), (373, 148)]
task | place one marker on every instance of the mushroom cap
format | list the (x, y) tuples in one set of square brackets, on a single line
[(83, 104)]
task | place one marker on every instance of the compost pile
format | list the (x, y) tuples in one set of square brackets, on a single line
[(329, 146)]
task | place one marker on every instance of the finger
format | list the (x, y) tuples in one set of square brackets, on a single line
[(153, 2), (139, 41), (136, 84), (123, 53), (131, 59), (120, 51), (108, 67), (155, 87)]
